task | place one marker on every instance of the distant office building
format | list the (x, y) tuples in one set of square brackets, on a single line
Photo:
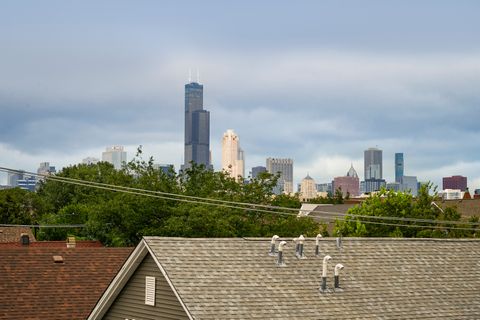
[(399, 166), (90, 161), (285, 168), (324, 187), (116, 156), (409, 184), (45, 169), (372, 185), (455, 182), (307, 189), (13, 178), (373, 164), (348, 184), (165, 168), (197, 127), (394, 186), (27, 183), (477, 191), (257, 170), (451, 194), (233, 160)]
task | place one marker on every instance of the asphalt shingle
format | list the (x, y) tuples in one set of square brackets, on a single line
[(383, 278)]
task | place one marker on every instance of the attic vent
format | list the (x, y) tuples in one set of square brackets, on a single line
[(57, 259), (150, 291)]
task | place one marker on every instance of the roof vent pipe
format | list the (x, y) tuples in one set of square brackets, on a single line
[(24, 239), (317, 244), (280, 261), (323, 288), (272, 248), (339, 241), (295, 241), (300, 254), (338, 267)]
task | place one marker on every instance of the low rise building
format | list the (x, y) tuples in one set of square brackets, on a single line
[(362, 278)]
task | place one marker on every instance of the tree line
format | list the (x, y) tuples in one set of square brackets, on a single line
[(122, 218)]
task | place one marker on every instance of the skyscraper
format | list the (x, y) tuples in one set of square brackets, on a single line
[(348, 184), (399, 166), (308, 189), (197, 127), (115, 155), (373, 163), (285, 168), (455, 182), (257, 170), (232, 155)]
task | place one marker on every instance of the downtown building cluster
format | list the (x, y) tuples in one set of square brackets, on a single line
[(197, 150)]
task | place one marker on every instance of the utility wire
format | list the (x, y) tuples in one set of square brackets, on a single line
[(252, 207), (249, 205), (44, 225)]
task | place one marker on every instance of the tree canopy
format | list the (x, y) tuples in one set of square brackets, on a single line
[(418, 217)]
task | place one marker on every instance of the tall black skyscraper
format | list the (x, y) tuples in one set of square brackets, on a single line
[(197, 127)]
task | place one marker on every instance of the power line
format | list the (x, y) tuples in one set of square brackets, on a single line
[(44, 225), (235, 205)]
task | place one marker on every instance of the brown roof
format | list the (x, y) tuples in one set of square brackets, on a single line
[(12, 234), (33, 286), (56, 244)]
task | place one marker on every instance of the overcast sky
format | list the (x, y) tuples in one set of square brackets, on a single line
[(316, 81)]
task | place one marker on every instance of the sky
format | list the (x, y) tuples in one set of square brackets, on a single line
[(315, 81)]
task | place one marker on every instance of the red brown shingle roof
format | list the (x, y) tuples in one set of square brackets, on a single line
[(33, 286)]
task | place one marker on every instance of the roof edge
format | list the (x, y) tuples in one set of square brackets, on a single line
[(162, 270), (117, 284)]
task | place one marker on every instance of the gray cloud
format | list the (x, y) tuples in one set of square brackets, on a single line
[(319, 83)]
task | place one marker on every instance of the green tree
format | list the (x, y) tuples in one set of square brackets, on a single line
[(388, 203), (18, 206)]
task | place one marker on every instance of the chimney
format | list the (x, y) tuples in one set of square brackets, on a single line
[(317, 244), (338, 267), (280, 261), (323, 288), (24, 239), (71, 243), (272, 247)]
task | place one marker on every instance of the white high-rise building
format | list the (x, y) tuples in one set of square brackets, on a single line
[(308, 188), (115, 155), (233, 160), (90, 161)]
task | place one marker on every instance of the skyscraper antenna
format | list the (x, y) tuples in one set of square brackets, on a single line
[(198, 76), (189, 75)]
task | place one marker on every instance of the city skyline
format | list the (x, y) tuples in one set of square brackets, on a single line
[(317, 83)]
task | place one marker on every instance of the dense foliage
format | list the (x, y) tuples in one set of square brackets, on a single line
[(397, 204), (118, 218), (122, 218)]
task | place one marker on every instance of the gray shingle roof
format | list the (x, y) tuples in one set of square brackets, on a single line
[(382, 279)]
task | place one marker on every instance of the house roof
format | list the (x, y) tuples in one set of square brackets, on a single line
[(384, 278), (57, 244), (12, 234), (33, 286)]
